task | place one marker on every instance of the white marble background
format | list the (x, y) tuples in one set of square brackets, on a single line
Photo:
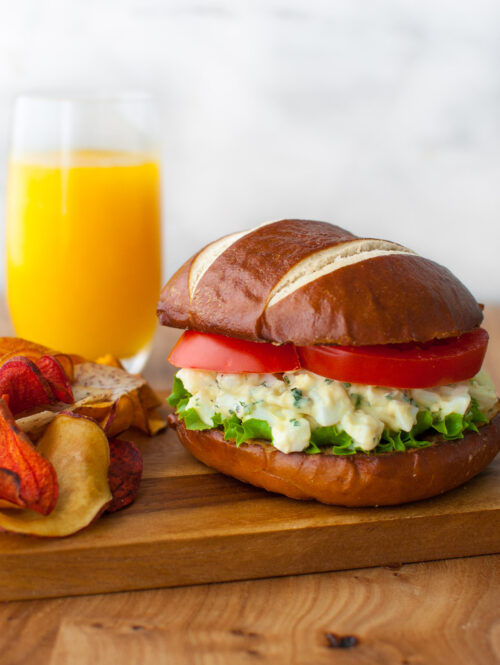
[(380, 115)]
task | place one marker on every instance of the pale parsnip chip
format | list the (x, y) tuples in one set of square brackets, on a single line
[(35, 424), (111, 380)]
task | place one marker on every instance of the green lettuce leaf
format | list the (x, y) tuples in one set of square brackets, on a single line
[(178, 393), (332, 435), (257, 429), (424, 422), (217, 419), (312, 449), (454, 425), (241, 431), (475, 416), (192, 420), (451, 427)]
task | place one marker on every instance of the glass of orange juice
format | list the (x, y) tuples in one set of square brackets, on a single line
[(83, 224)]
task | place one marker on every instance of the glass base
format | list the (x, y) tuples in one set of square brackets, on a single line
[(134, 364)]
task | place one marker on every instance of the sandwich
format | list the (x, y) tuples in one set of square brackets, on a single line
[(320, 365)]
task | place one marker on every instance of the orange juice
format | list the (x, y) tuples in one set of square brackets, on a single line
[(83, 250)]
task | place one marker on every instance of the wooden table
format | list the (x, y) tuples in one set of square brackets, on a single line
[(442, 612)]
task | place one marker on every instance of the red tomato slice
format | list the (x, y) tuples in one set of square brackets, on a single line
[(231, 355), (414, 365)]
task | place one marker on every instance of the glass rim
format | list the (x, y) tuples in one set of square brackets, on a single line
[(85, 96)]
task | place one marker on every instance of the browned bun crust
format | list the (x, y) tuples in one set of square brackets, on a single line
[(395, 297), (381, 301), (174, 310), (350, 480)]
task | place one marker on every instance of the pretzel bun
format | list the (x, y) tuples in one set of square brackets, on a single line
[(348, 480), (310, 282)]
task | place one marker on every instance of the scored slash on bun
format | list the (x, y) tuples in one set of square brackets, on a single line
[(310, 282), (348, 480)]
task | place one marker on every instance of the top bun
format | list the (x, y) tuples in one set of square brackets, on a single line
[(311, 282)]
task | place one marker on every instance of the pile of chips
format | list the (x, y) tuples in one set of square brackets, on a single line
[(61, 465)]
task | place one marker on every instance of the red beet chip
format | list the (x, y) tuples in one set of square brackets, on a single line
[(25, 385), (125, 473), (55, 375)]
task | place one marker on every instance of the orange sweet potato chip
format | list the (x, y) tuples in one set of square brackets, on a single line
[(16, 346), (110, 361), (120, 417), (27, 479), (156, 423), (66, 363), (125, 473), (149, 399), (98, 411), (96, 384), (78, 450)]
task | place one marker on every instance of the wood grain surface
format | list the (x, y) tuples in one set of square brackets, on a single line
[(440, 613), (432, 613)]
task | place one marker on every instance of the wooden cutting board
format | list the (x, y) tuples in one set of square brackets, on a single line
[(191, 525)]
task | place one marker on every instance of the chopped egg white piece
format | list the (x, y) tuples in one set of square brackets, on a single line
[(296, 403), (325, 403), (393, 407), (364, 428), (444, 399), (482, 389)]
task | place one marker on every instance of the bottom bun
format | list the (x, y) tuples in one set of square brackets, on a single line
[(350, 480)]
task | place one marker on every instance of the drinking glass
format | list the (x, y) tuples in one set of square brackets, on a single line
[(83, 223)]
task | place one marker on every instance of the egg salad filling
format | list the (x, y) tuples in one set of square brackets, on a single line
[(303, 412)]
